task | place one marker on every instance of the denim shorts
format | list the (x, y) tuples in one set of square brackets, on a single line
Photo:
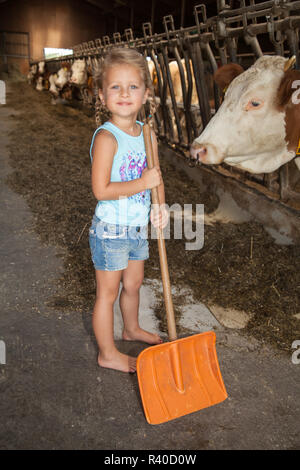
[(113, 245)]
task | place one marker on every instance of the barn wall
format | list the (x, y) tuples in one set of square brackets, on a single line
[(55, 23)]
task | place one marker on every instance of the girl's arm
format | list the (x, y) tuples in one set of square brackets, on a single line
[(104, 149)]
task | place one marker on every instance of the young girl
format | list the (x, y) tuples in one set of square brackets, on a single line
[(121, 183)]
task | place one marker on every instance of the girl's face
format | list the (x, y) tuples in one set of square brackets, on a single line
[(123, 91)]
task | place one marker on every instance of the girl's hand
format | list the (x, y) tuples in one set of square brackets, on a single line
[(151, 178), (159, 216)]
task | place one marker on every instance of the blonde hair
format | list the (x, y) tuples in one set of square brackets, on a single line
[(120, 56)]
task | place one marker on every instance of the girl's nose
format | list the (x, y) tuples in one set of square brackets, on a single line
[(124, 92)]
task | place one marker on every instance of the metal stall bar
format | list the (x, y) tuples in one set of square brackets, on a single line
[(169, 131), (186, 95), (199, 75), (190, 120), (157, 59), (148, 52), (164, 49), (206, 47)]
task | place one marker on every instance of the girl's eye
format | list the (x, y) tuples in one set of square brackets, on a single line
[(133, 87)]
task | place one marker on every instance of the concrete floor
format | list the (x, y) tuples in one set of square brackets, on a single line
[(54, 396)]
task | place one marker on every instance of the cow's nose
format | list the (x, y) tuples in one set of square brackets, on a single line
[(198, 151), (206, 153)]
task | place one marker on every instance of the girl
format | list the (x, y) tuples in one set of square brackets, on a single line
[(121, 183)]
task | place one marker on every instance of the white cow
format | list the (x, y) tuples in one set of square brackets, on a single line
[(39, 84), (52, 85), (63, 76), (257, 127), (41, 66), (79, 73)]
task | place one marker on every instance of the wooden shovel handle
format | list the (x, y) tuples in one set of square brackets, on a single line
[(161, 244)]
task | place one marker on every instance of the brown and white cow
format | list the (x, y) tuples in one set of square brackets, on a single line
[(176, 81), (32, 75), (82, 81), (178, 94), (257, 127), (42, 79)]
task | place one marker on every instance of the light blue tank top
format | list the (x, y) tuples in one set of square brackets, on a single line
[(128, 164)]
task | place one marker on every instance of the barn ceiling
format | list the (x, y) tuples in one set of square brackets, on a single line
[(133, 13)]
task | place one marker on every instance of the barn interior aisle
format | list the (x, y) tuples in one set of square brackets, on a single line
[(55, 395)]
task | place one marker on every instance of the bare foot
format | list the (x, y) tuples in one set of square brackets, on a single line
[(118, 361), (141, 335)]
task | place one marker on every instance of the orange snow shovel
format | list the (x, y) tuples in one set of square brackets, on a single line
[(181, 376)]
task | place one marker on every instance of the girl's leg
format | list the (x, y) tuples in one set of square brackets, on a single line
[(108, 283), (132, 279)]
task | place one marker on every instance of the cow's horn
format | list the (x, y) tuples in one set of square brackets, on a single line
[(289, 63)]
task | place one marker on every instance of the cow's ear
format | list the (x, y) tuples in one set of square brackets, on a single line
[(289, 86), (225, 74)]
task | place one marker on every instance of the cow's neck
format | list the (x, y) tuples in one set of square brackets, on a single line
[(264, 162)]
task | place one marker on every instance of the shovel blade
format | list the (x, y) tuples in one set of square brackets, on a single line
[(180, 377)]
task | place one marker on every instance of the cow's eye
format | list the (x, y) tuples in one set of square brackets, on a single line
[(254, 104)]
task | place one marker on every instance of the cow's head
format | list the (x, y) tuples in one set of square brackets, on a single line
[(251, 129), (63, 76), (78, 72), (41, 67), (39, 84)]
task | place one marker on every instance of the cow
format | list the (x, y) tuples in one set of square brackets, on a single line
[(32, 75), (82, 82), (41, 67), (176, 81), (63, 76), (178, 95), (79, 73), (151, 68), (59, 86), (257, 127), (42, 78), (39, 84), (54, 91)]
